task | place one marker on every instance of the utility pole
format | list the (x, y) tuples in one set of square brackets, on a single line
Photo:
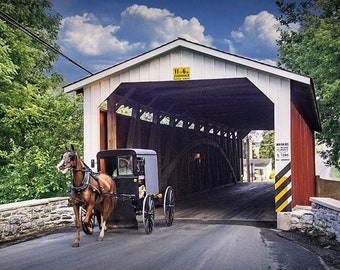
[(249, 156)]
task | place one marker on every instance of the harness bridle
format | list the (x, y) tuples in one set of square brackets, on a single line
[(85, 183)]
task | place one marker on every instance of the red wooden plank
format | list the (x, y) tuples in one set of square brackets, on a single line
[(302, 160)]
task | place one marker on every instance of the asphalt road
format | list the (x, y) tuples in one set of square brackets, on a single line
[(185, 245), (230, 228)]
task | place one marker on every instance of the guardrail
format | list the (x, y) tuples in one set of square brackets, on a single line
[(25, 219)]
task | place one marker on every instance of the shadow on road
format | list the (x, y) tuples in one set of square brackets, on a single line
[(242, 204)]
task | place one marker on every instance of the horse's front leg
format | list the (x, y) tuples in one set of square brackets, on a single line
[(86, 221), (77, 221)]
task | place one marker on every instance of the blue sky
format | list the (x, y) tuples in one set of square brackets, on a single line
[(99, 34)]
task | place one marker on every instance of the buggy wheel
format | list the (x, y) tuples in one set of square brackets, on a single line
[(92, 219), (169, 206), (148, 213)]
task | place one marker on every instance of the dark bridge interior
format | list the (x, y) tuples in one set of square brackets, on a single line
[(200, 145), (234, 103)]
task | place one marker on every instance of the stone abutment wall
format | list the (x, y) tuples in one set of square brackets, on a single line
[(28, 218), (323, 215), (327, 216)]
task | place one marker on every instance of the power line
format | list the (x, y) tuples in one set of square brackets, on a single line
[(16, 24)]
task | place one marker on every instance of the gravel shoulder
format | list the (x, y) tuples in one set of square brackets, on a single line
[(323, 246)]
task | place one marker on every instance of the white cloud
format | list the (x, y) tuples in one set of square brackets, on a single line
[(85, 35), (141, 27), (144, 12), (158, 26), (257, 37), (101, 44), (267, 61), (262, 27), (230, 45)]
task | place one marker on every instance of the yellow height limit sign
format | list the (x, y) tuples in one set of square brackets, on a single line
[(181, 73)]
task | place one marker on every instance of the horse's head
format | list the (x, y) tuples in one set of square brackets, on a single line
[(68, 160)]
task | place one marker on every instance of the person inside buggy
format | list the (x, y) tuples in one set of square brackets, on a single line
[(123, 167)]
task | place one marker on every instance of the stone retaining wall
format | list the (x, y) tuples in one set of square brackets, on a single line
[(327, 215), (302, 218), (24, 219), (323, 215)]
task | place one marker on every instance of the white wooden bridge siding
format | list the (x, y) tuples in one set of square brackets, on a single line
[(202, 66)]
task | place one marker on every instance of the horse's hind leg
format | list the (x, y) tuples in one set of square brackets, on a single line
[(101, 235), (108, 206), (104, 217)]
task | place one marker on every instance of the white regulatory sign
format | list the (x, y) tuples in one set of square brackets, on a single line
[(282, 151)]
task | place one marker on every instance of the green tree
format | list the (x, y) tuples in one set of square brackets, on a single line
[(36, 117), (267, 146), (314, 51)]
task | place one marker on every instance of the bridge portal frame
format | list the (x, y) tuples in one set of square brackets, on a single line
[(292, 99)]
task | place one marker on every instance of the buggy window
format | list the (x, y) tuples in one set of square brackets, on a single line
[(107, 165), (140, 165)]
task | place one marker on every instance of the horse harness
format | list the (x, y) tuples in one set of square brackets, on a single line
[(85, 183)]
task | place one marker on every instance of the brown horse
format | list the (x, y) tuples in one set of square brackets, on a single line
[(93, 191)]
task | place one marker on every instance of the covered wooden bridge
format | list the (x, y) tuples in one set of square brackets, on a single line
[(194, 105)]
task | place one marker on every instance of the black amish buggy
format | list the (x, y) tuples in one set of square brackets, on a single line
[(135, 172)]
